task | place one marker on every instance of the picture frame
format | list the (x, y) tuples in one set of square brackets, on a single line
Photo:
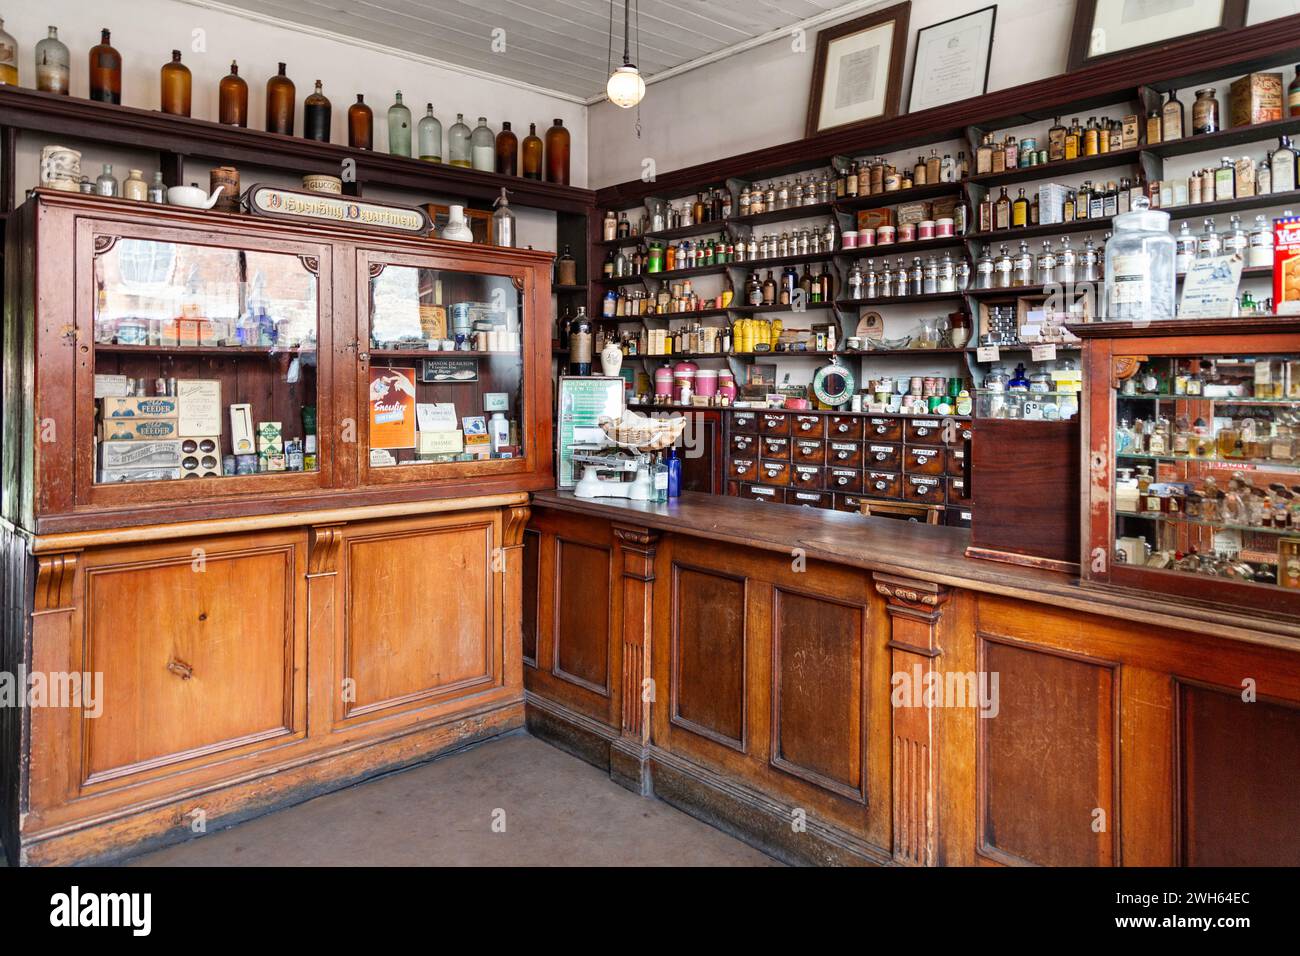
[(951, 60), (1108, 30), (858, 71)]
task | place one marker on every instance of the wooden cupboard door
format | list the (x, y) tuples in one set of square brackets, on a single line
[(420, 613), (201, 650), (708, 645)]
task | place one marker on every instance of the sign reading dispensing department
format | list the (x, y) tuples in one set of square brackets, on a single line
[(293, 204)]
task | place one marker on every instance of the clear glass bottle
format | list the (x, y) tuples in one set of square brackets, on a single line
[(157, 189), (1260, 254), (1210, 243), (1185, 245), (8, 57), (1236, 241), (399, 127), (52, 64), (1140, 278), (106, 183), (1022, 267), (458, 143), (429, 136)]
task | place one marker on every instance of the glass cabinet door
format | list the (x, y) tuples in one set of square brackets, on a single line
[(1207, 469), (445, 374), (205, 361)]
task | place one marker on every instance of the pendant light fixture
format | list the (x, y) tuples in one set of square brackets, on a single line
[(625, 88)]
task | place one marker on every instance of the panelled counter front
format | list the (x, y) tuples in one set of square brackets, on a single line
[(256, 521), (840, 689)]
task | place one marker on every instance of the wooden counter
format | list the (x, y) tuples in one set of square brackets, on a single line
[(739, 659)]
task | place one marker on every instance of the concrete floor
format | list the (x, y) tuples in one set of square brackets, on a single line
[(558, 811)]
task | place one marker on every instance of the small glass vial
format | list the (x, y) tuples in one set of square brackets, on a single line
[(158, 189), (106, 183)]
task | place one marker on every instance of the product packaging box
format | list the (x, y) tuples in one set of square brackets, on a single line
[(241, 430), (1051, 203), (117, 475), (138, 429), (140, 454), (151, 406), (1255, 98), (1286, 265)]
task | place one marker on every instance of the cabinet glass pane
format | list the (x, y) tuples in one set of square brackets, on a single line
[(446, 366), (205, 362), (1207, 469)]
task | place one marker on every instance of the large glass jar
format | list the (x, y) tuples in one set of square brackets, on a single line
[(458, 143), (1140, 277)]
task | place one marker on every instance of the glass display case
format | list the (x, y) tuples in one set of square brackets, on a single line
[(1195, 477), (445, 369)]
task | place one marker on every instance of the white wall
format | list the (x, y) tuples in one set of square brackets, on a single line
[(146, 31), (765, 90)]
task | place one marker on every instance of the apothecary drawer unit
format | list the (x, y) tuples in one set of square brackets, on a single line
[(1195, 490)]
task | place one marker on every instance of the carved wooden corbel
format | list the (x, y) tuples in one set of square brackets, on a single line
[(55, 574), (323, 549)]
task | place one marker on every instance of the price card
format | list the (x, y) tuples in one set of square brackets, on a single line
[(1043, 353), (987, 353)]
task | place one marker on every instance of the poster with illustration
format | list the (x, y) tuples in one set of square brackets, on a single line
[(392, 407)]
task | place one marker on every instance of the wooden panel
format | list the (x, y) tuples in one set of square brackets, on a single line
[(1048, 759), (419, 621), (818, 702), (708, 654), (1240, 802), (582, 622), (202, 648), (532, 562)]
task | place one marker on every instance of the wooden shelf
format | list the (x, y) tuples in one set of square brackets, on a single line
[(428, 353), (788, 214), (569, 288), (1226, 139), (899, 196), (782, 261), (1067, 167), (1101, 224), (947, 350), (898, 300), (902, 248), (190, 351), (1216, 326), (762, 309)]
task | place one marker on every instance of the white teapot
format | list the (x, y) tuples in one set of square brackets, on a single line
[(193, 197)]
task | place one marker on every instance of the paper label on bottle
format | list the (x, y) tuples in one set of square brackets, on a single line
[(987, 353), (580, 348), (1043, 353)]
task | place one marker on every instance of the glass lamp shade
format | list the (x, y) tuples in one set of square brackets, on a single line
[(625, 87)]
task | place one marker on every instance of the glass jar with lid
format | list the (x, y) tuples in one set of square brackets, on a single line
[(1140, 278)]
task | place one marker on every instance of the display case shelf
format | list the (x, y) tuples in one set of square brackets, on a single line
[(788, 214)]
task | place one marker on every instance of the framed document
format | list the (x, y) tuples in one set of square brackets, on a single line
[(1105, 29), (580, 404), (952, 60), (858, 73)]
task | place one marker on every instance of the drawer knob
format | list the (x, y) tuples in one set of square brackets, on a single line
[(841, 455), (881, 429), (881, 456), (923, 431), (881, 486)]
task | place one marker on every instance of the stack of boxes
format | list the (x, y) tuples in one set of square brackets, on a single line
[(162, 437)]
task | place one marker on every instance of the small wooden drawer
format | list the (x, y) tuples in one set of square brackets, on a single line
[(744, 444), (808, 451), (806, 476), (849, 503), (774, 423), (774, 472), (956, 461), (807, 426), (746, 422), (772, 447), (809, 498), (924, 459), (957, 517), (884, 429), (759, 493), (956, 489), (846, 427), (844, 454), (743, 469), (882, 456), (959, 434), (848, 480), (923, 430), (923, 488), (882, 484)]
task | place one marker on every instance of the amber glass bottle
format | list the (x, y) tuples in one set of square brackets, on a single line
[(176, 82), (232, 98), (279, 103), (557, 154), (361, 125), (316, 116), (507, 151), (105, 71), (532, 154)]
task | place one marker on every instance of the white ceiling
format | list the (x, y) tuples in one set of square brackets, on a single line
[(556, 45)]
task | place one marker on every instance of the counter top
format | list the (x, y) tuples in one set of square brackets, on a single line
[(933, 553)]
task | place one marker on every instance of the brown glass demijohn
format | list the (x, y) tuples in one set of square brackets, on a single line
[(532, 154), (232, 98), (507, 151), (105, 71), (316, 113), (361, 125), (176, 83), (280, 103), (557, 154)]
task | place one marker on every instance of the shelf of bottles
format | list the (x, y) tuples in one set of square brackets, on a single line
[(1207, 467)]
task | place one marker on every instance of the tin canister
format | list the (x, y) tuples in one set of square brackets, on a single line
[(228, 178)]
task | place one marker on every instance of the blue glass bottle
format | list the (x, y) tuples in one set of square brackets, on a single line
[(674, 473)]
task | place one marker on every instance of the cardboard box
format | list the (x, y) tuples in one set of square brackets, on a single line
[(439, 443), (199, 406), (875, 218), (138, 429), (270, 438), (913, 212), (1255, 98), (118, 475), (118, 455), (1286, 265), (241, 430), (139, 406)]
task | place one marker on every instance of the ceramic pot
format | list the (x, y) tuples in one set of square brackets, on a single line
[(611, 358), (193, 197), (61, 168), (457, 229)]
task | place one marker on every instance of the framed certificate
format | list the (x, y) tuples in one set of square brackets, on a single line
[(858, 73), (1105, 29), (952, 60)]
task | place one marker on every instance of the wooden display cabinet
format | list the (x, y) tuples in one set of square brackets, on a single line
[(1192, 487), (260, 637)]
